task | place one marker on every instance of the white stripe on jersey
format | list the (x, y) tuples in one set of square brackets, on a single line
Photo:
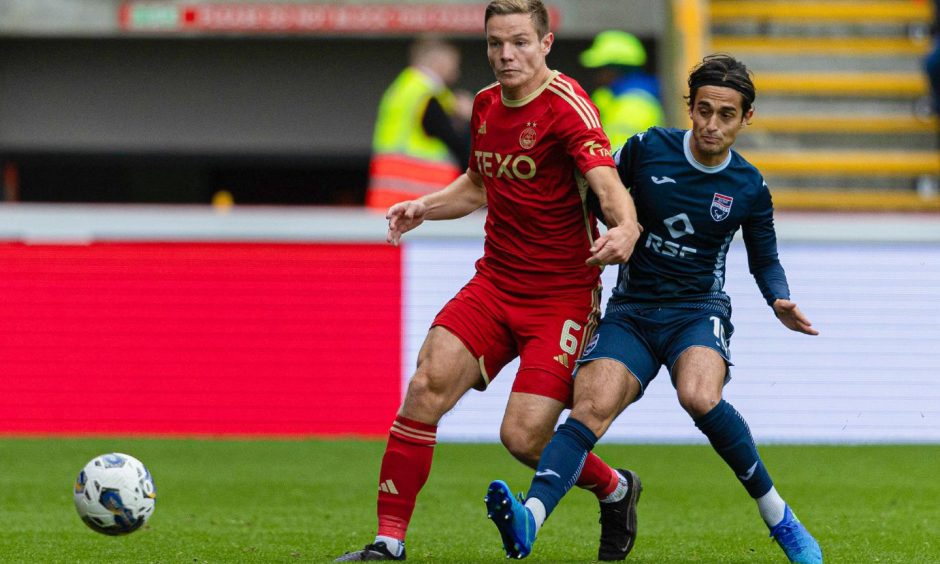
[(586, 117), (566, 92), (582, 101)]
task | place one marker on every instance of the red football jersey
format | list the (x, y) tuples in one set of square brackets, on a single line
[(531, 154)]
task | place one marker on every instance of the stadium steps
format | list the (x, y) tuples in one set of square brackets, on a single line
[(850, 84), (797, 45), (845, 124), (835, 11), (846, 163), (840, 121)]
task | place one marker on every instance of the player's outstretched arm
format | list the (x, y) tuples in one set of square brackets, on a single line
[(457, 199), (616, 245), (790, 315)]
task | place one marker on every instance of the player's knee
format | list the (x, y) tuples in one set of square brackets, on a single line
[(697, 402), (523, 444), (596, 416), (429, 393)]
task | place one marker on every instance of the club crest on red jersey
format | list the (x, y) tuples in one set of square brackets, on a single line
[(721, 206), (528, 136)]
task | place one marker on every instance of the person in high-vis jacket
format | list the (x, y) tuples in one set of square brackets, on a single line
[(628, 99), (421, 140)]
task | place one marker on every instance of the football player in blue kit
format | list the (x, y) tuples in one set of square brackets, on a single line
[(692, 193)]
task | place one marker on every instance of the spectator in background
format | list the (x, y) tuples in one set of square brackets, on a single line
[(932, 62), (628, 98), (927, 185), (421, 140)]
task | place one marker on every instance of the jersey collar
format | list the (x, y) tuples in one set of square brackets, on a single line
[(687, 148), (523, 101)]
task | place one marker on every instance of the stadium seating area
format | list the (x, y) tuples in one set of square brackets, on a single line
[(842, 120)]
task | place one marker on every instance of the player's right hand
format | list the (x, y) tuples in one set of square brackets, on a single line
[(615, 246), (403, 217)]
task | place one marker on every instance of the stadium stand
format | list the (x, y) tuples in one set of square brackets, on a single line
[(839, 84)]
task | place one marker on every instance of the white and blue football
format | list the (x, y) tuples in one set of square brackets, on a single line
[(115, 494)]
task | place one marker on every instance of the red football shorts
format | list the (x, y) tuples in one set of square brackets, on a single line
[(547, 333)]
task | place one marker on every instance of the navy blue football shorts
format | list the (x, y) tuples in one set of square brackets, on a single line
[(644, 338)]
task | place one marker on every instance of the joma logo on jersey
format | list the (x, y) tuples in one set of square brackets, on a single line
[(506, 166)]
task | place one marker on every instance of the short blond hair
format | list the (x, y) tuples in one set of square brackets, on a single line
[(534, 8)]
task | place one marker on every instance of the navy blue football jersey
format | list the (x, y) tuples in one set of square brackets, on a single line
[(690, 213)]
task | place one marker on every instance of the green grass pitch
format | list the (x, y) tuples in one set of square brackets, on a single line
[(309, 501)]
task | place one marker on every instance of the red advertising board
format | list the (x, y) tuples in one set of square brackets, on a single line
[(301, 18), (200, 339)]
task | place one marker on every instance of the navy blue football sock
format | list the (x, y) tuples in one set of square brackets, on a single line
[(561, 462), (731, 438)]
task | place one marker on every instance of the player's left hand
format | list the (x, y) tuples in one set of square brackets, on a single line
[(790, 315), (403, 217), (615, 246)]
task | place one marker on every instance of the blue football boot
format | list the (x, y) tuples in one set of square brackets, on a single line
[(795, 540), (515, 522)]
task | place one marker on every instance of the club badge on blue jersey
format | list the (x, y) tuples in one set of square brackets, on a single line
[(721, 206)]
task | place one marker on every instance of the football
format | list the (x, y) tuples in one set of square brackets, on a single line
[(115, 494)]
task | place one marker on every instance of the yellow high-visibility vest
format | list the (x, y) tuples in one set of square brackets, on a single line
[(626, 115), (406, 162)]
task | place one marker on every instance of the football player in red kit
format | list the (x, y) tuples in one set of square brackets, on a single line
[(537, 148)]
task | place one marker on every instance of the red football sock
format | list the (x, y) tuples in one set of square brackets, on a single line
[(405, 469), (598, 477)]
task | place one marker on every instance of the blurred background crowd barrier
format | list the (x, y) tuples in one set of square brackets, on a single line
[(302, 321)]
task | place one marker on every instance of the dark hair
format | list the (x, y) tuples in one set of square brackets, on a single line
[(723, 70), (534, 8)]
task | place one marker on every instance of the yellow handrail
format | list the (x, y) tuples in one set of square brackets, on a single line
[(820, 46), (844, 124), (863, 84), (855, 11), (691, 22)]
